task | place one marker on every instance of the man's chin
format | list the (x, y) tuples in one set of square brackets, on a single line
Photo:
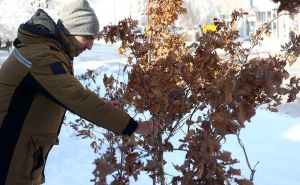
[(78, 53)]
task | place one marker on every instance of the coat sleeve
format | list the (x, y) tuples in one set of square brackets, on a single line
[(57, 83)]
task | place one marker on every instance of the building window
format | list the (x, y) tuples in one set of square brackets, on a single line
[(262, 17), (274, 25), (269, 16)]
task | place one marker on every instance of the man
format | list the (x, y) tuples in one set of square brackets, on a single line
[(8, 45), (37, 86)]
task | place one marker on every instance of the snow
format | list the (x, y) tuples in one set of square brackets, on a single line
[(293, 133), (71, 161), (267, 141), (103, 57)]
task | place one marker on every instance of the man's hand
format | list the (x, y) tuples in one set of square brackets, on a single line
[(146, 128)]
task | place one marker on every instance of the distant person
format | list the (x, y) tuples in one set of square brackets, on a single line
[(37, 86), (0, 44), (8, 45)]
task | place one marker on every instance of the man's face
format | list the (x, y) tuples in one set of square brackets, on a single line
[(82, 42)]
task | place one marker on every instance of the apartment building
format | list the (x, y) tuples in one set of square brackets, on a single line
[(260, 12)]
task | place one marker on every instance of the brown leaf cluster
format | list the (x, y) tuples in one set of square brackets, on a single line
[(288, 5), (205, 162), (292, 48), (164, 12)]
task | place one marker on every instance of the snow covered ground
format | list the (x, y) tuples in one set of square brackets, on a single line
[(273, 139)]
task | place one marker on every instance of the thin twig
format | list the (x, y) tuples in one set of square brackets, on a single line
[(253, 170), (255, 42)]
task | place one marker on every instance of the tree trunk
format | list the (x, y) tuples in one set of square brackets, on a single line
[(160, 158)]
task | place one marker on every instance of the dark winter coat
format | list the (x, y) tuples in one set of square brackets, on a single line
[(36, 87)]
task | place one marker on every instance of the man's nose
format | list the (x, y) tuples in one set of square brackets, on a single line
[(90, 44)]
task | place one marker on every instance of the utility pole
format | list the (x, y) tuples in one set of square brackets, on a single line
[(248, 26)]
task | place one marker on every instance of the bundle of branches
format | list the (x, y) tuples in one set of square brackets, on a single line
[(196, 95)]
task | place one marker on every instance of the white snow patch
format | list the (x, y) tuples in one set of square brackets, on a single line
[(293, 133)]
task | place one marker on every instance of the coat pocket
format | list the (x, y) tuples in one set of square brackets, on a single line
[(38, 148)]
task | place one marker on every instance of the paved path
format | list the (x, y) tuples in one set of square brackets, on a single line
[(3, 56)]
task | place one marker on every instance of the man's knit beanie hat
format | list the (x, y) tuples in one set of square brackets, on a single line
[(78, 18)]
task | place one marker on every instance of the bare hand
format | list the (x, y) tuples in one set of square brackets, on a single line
[(146, 128)]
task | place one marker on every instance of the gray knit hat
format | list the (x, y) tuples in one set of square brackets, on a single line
[(78, 18)]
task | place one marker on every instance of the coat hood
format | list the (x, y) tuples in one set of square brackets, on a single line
[(40, 29)]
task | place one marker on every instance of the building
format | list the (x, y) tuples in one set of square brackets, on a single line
[(259, 13)]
